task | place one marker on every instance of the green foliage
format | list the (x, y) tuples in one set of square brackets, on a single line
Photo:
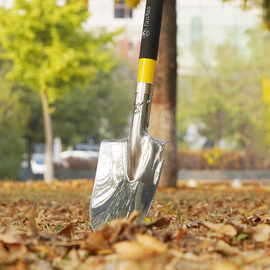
[(226, 96), (263, 4), (116, 106), (220, 159), (13, 116), (33, 129), (48, 47), (50, 52), (102, 107)]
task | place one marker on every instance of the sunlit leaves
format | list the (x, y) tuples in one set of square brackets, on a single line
[(223, 96), (48, 47), (133, 3), (13, 116)]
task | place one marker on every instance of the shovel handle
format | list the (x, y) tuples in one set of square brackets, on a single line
[(150, 40), (151, 29)]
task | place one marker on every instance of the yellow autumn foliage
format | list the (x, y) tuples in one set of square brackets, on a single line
[(133, 3)]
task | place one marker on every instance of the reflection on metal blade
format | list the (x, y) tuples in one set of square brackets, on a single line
[(114, 195)]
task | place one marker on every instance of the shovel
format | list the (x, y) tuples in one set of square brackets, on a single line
[(129, 170)]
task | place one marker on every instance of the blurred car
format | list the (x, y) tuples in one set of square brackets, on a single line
[(38, 163), (78, 160), (86, 147), (79, 154), (38, 167)]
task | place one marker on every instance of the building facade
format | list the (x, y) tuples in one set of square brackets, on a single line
[(197, 20)]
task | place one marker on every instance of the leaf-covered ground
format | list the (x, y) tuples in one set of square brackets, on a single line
[(212, 226)]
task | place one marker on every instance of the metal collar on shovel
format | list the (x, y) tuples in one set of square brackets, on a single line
[(129, 170)]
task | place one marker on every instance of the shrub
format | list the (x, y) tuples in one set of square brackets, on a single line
[(216, 158)]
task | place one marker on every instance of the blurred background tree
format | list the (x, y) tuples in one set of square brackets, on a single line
[(225, 96), (51, 53), (101, 108), (264, 5), (13, 117)]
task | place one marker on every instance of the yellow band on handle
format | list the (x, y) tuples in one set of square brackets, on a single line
[(146, 70)]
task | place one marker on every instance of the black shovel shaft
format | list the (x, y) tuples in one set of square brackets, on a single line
[(151, 29)]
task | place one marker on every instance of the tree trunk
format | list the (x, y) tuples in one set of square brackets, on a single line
[(163, 111), (48, 174), (218, 127), (29, 173)]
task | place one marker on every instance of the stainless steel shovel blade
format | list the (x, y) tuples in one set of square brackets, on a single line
[(114, 194)]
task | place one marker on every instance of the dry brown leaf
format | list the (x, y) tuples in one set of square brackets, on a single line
[(3, 253), (128, 265), (68, 232), (225, 265), (213, 226), (145, 246), (261, 233), (130, 250), (21, 265), (16, 248), (94, 262), (265, 219), (225, 229), (226, 248), (114, 226), (228, 230), (134, 214), (9, 238), (45, 251), (69, 244), (242, 228), (150, 243), (96, 241), (104, 251), (32, 220), (160, 222), (73, 259)]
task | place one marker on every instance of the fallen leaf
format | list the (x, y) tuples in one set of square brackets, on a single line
[(128, 265), (130, 250), (16, 248), (265, 219), (8, 238), (213, 226), (68, 232), (144, 246), (134, 214), (225, 265), (40, 216), (226, 248), (160, 222), (44, 251), (228, 230), (21, 265), (151, 243), (95, 262), (261, 233), (225, 229), (32, 220), (96, 241)]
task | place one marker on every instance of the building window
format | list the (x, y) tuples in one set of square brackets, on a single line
[(196, 30), (121, 9)]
